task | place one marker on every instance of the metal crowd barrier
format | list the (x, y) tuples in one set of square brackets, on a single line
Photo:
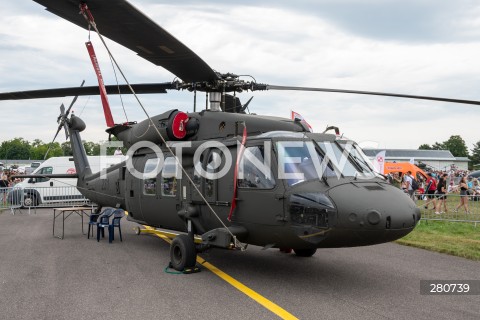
[(450, 214), (15, 198), (11, 198)]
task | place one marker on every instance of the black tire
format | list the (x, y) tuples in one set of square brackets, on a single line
[(137, 230), (30, 200), (305, 252), (182, 252)]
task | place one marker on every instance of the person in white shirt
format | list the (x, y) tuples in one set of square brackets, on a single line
[(408, 183)]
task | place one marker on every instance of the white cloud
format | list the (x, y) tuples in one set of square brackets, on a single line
[(277, 44)]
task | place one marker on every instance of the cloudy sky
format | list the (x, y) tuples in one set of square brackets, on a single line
[(419, 47)]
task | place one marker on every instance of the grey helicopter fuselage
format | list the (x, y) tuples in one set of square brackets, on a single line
[(284, 202)]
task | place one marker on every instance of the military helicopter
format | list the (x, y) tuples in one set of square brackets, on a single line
[(288, 188)]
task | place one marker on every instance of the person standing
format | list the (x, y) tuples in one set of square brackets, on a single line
[(463, 195), (408, 179), (430, 191), (441, 194), (3, 187)]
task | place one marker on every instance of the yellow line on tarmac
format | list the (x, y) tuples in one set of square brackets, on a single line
[(279, 311), (276, 309)]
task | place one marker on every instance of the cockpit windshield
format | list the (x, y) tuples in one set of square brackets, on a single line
[(301, 161)]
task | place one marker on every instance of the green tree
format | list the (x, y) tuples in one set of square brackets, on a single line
[(40, 150), (425, 147), (15, 149), (67, 149), (37, 143), (456, 145), (91, 148), (475, 157), (438, 146)]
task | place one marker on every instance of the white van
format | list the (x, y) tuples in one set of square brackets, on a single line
[(50, 191), (33, 166)]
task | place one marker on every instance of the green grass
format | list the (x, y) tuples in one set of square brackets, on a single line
[(454, 238)]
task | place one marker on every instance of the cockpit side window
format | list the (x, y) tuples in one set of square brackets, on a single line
[(300, 161), (254, 170)]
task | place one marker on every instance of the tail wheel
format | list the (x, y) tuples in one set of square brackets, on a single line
[(137, 230), (30, 200), (305, 252), (182, 252)]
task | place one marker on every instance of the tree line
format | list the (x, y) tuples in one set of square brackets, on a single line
[(21, 149), (458, 148)]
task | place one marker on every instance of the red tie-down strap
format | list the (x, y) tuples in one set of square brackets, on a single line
[(235, 174), (101, 85), (86, 12)]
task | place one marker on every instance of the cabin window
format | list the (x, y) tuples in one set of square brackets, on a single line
[(150, 176), (169, 177), (213, 166), (254, 171)]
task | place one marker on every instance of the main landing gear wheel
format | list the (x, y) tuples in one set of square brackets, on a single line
[(137, 230), (183, 254), (305, 252)]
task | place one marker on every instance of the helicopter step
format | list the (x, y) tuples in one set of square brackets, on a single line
[(223, 237)]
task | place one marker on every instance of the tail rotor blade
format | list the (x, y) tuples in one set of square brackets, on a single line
[(73, 101)]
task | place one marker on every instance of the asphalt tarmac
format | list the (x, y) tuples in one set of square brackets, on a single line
[(42, 277)]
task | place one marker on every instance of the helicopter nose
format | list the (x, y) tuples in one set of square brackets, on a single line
[(373, 212)]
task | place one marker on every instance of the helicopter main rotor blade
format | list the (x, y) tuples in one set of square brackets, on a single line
[(121, 22), (88, 91), (372, 93)]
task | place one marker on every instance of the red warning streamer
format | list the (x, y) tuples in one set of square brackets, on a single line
[(101, 85), (235, 174)]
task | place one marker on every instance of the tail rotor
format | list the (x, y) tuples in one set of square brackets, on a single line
[(62, 121)]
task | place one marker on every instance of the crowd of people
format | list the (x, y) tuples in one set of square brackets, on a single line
[(7, 180), (437, 186)]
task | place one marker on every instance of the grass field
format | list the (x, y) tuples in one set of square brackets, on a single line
[(455, 238)]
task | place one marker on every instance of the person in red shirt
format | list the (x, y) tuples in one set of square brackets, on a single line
[(430, 191)]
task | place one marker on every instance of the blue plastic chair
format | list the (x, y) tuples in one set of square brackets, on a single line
[(117, 216), (92, 222), (103, 221)]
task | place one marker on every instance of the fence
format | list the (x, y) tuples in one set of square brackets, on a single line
[(448, 212), (40, 197), (68, 196)]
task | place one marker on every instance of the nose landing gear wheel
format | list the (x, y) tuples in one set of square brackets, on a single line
[(305, 252), (183, 254)]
